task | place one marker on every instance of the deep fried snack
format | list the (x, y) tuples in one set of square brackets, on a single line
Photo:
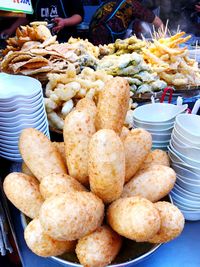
[(172, 222), (152, 183), (156, 157), (78, 129), (42, 244), (23, 191), (71, 216), (56, 183), (39, 154), (60, 146), (124, 133), (137, 145), (99, 248), (26, 170), (135, 218), (88, 105), (113, 105), (106, 165)]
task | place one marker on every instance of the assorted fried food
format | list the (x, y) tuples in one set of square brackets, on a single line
[(94, 223)]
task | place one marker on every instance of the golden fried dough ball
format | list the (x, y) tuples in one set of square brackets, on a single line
[(56, 183), (137, 146), (72, 215), (106, 165), (152, 183), (124, 133), (156, 157), (135, 218), (42, 244), (113, 105), (23, 191), (99, 248), (172, 222), (60, 146), (78, 129), (39, 154)]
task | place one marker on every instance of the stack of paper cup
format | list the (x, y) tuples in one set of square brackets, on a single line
[(21, 106)]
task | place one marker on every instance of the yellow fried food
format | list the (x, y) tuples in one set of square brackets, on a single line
[(56, 183), (152, 183), (124, 133), (135, 218), (172, 222), (60, 146), (39, 154), (137, 146), (78, 129), (113, 105), (72, 215), (42, 244), (106, 165), (99, 248), (88, 105), (156, 157), (23, 191), (26, 170)]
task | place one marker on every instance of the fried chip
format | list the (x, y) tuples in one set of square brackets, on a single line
[(37, 23)]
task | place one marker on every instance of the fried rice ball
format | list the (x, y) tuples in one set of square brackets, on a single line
[(42, 244), (56, 183), (99, 248), (72, 215), (172, 222), (135, 218)]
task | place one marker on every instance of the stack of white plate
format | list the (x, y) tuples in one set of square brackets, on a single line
[(21, 106), (184, 152), (158, 119)]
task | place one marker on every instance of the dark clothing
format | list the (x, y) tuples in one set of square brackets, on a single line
[(112, 19), (50, 9)]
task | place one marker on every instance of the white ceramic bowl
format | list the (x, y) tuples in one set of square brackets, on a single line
[(185, 172), (174, 139), (189, 161), (184, 195), (186, 192), (11, 108), (183, 139), (158, 131), (18, 85), (188, 186), (153, 127), (158, 112), (189, 126), (191, 215), (161, 137), (181, 206), (186, 202), (189, 152), (188, 180), (23, 111), (21, 100)]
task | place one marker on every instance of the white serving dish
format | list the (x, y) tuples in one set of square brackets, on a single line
[(188, 186), (189, 126), (185, 172), (187, 192), (191, 215), (21, 100), (11, 108), (161, 137), (183, 139), (24, 111), (158, 131), (158, 112), (185, 195), (190, 152), (186, 202), (174, 139)]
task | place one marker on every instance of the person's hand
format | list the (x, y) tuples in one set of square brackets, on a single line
[(197, 7), (60, 24)]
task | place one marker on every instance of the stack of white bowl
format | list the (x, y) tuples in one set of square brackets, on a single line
[(184, 152), (158, 119), (21, 106)]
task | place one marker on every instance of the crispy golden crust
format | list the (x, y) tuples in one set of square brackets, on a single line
[(71, 216), (152, 183), (156, 157), (56, 183), (106, 165), (42, 244), (88, 105), (99, 248), (172, 222), (137, 146), (23, 191), (39, 154), (113, 105), (124, 133), (60, 146), (135, 218), (78, 129)]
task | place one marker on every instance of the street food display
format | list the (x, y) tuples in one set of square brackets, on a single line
[(91, 184), (77, 69)]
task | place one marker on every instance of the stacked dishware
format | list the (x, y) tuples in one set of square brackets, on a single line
[(158, 119), (184, 152), (21, 106)]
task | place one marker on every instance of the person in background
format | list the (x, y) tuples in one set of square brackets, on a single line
[(64, 14), (112, 19)]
